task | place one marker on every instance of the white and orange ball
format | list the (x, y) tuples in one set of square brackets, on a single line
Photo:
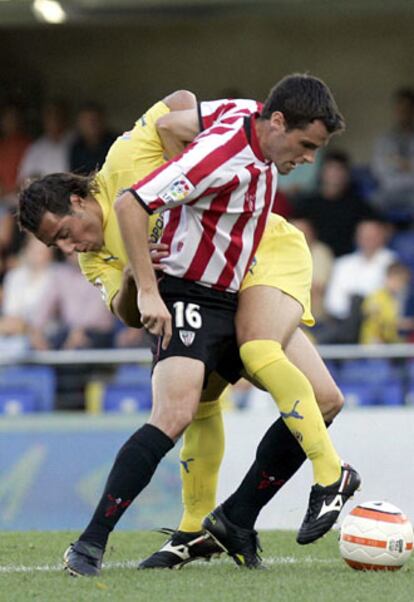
[(376, 536)]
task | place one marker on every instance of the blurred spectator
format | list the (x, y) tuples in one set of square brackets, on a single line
[(301, 180), (282, 206), (50, 152), (72, 314), (355, 276), (334, 210), (127, 337), (322, 259), (240, 394), (25, 287), (93, 139), (387, 314), (13, 144), (393, 158), (11, 239)]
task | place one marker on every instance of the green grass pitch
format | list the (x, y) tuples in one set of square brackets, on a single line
[(31, 569)]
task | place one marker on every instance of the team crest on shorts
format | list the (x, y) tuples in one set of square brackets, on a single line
[(187, 337)]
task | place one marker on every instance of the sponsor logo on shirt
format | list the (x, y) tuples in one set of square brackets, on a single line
[(110, 258), (178, 190), (156, 231)]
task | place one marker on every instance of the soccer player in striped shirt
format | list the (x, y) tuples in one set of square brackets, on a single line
[(152, 442), (266, 362)]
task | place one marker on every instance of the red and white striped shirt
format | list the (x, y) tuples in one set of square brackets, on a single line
[(225, 111), (219, 193)]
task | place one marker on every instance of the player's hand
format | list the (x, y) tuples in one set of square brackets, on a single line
[(158, 251), (155, 316)]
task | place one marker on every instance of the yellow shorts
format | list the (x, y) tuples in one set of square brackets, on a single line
[(283, 261)]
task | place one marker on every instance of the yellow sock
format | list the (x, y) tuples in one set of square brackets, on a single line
[(293, 393), (201, 456)]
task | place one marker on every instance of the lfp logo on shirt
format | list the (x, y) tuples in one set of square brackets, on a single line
[(177, 191)]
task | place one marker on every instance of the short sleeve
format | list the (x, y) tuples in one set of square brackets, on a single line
[(207, 165)]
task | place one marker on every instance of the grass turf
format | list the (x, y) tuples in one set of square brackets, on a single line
[(30, 569)]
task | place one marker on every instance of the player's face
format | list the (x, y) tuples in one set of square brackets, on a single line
[(79, 231), (289, 148)]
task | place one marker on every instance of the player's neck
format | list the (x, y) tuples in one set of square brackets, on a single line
[(95, 207), (261, 127)]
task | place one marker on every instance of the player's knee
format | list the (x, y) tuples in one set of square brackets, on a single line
[(331, 403), (337, 402), (179, 422), (173, 422)]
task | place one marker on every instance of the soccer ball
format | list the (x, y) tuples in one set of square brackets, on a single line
[(376, 536)]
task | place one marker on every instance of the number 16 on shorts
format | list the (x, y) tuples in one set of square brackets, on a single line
[(187, 314)]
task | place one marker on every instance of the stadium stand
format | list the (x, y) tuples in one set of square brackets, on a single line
[(403, 244), (27, 389), (126, 398)]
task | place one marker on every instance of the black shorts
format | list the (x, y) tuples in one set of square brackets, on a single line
[(202, 326)]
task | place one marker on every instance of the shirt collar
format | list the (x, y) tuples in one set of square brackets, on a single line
[(251, 133)]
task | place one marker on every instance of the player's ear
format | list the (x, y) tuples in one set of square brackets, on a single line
[(277, 121), (76, 201)]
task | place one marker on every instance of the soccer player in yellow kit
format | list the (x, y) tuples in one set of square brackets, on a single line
[(131, 157)]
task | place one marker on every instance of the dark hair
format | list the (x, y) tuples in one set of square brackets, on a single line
[(58, 105), (398, 267), (51, 193), (303, 99), (339, 156), (91, 106), (404, 94)]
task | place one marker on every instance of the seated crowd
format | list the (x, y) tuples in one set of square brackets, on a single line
[(358, 221)]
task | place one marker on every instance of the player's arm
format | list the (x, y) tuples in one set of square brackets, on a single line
[(180, 100), (177, 129), (166, 188), (124, 302), (133, 223), (181, 125)]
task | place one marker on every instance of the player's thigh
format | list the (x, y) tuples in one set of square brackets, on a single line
[(265, 312), (202, 330), (176, 389), (275, 293), (304, 355)]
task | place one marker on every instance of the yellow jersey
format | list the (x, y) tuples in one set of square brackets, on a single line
[(133, 156)]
